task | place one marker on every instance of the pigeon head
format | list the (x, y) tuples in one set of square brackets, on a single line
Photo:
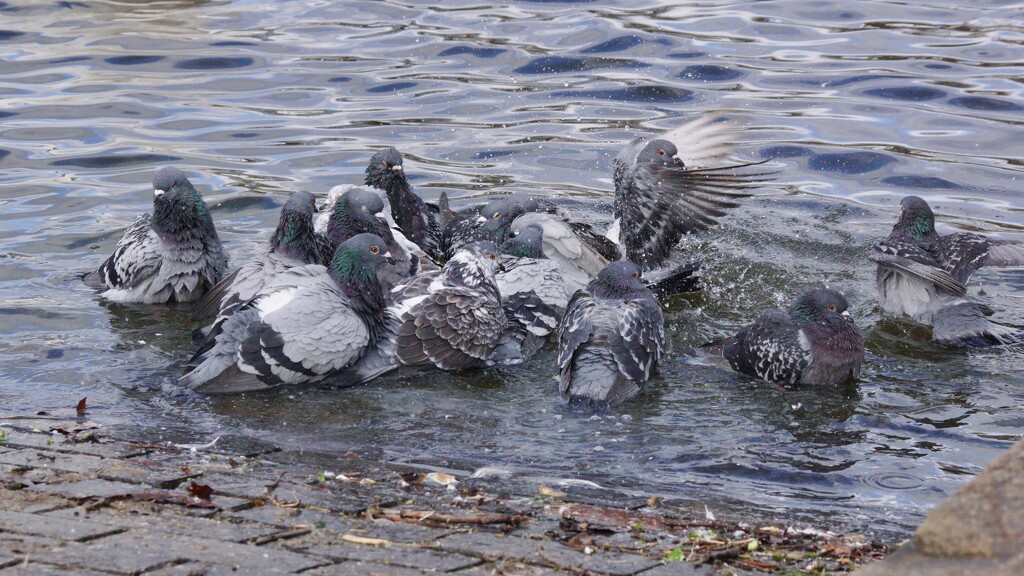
[(525, 243), (621, 279), (659, 152), (524, 202), (355, 211), (474, 264), (358, 257), (169, 182), (916, 219), (178, 209), (815, 305), (354, 269), (502, 210), (294, 232), (385, 169)]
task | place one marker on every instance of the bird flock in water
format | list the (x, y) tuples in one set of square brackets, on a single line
[(378, 280)]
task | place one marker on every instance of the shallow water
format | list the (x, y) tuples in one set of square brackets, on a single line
[(859, 102)]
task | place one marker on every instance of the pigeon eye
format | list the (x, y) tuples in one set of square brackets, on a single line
[(496, 215), (831, 307), (374, 250), (661, 152), (493, 256), (635, 274), (384, 163)]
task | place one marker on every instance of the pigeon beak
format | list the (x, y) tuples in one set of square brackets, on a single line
[(480, 219), (158, 193), (846, 313), (388, 258), (396, 168)]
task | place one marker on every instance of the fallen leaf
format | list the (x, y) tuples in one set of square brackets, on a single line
[(80, 409), (363, 540), (201, 491), (551, 492), (442, 478)]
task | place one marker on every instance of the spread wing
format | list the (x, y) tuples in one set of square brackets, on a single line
[(916, 261), (657, 205), (452, 328), (136, 257), (770, 349)]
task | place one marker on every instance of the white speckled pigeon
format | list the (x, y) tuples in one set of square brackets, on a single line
[(659, 198), (173, 255), (923, 275), (533, 290), (454, 320), (293, 243), (489, 222), (610, 339), (356, 212), (417, 219), (306, 324), (813, 342)]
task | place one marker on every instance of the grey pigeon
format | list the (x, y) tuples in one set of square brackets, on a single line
[(172, 256), (306, 324), (610, 339), (455, 321), (923, 275), (533, 290), (659, 198), (489, 222), (356, 212), (813, 342), (293, 243), (417, 219)]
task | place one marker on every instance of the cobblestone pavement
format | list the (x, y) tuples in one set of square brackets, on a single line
[(75, 501)]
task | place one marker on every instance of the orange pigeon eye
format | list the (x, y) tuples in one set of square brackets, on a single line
[(496, 215), (831, 307), (494, 256), (635, 274), (661, 152), (374, 249), (384, 163)]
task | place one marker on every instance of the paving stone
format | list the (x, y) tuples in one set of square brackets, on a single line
[(408, 556), (341, 500), (94, 488), (6, 560), (491, 547), (132, 471), (169, 522), (37, 569), (141, 550), (363, 569), (399, 532), (57, 443), (53, 527), (678, 569), (272, 515), (29, 502)]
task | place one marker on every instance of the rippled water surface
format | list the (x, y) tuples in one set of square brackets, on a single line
[(859, 102)]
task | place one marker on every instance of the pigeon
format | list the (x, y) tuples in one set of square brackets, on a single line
[(659, 198), (172, 256), (417, 219), (813, 341), (610, 339), (455, 320), (490, 222), (304, 325), (355, 212), (923, 275), (533, 291), (293, 243)]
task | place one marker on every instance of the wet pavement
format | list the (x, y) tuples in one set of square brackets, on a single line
[(76, 499)]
